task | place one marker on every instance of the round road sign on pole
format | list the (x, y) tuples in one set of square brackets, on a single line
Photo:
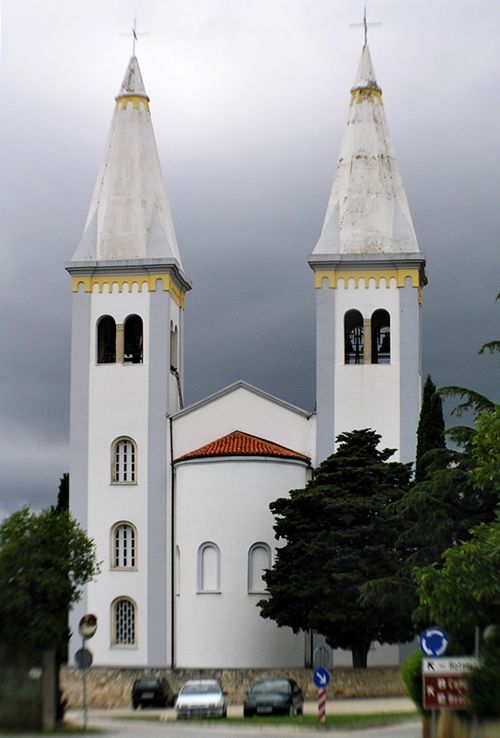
[(83, 658), (321, 677), (433, 641)]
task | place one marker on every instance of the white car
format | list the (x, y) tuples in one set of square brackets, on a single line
[(201, 698)]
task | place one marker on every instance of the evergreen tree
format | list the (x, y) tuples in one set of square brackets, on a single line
[(63, 493), (430, 432), (336, 540)]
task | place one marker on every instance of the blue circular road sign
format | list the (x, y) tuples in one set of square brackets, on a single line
[(321, 677), (433, 641)]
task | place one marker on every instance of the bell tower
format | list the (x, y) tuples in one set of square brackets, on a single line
[(368, 274), (128, 293)]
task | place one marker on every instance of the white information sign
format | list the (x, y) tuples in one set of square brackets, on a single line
[(458, 665)]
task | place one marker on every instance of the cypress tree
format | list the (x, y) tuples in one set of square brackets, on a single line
[(430, 432)]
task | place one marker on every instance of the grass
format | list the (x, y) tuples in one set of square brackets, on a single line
[(352, 720)]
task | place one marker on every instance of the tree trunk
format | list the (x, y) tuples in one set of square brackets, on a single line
[(360, 655)]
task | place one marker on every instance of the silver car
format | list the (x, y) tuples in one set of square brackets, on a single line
[(201, 698)]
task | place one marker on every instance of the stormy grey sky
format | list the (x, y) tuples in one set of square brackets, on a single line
[(249, 103)]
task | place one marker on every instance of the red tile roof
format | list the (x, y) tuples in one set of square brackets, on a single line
[(242, 444)]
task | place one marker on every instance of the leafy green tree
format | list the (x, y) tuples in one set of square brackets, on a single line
[(336, 540), (484, 681), (432, 516), (463, 590), (430, 432), (486, 450), (45, 559)]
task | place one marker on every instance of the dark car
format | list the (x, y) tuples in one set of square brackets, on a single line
[(151, 692), (278, 696)]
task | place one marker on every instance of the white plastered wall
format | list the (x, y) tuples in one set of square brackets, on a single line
[(367, 396), (118, 406), (226, 501), (247, 411)]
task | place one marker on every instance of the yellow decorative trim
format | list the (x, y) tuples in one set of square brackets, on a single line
[(137, 101), (379, 275), (360, 94), (147, 281)]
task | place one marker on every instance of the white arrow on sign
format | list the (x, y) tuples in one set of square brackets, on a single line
[(322, 678)]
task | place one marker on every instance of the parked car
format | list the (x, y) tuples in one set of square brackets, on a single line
[(267, 696), (151, 692), (201, 698)]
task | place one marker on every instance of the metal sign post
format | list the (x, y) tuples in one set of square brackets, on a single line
[(83, 657), (84, 686), (433, 641)]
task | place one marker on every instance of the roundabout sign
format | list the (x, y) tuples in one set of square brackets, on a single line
[(433, 641)]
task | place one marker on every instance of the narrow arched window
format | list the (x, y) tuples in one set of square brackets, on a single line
[(174, 347), (106, 340), (123, 617), (381, 337), (259, 559), (124, 546), (353, 337), (177, 570), (124, 461), (208, 568), (132, 339)]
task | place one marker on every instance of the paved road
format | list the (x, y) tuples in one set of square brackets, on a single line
[(171, 729), (112, 722)]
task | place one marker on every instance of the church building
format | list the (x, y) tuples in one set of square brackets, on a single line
[(177, 497)]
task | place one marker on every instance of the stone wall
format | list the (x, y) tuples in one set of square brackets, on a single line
[(111, 687)]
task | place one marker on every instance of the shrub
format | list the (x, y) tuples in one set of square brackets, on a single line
[(484, 685), (411, 673)]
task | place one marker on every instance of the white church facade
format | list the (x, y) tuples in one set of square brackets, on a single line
[(177, 498)]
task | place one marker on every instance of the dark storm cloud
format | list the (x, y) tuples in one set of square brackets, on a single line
[(249, 103)]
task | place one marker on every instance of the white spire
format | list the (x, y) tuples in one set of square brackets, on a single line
[(368, 211), (129, 216)]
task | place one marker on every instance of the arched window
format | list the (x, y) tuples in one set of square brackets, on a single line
[(123, 617), (259, 559), (106, 340), (177, 570), (132, 340), (124, 546), (174, 347), (353, 337), (381, 337), (208, 568), (124, 461)]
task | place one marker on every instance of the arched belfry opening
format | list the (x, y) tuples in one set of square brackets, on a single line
[(106, 340), (353, 338), (381, 337), (132, 340)]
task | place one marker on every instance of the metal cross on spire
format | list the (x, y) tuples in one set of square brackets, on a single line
[(135, 35), (365, 25)]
